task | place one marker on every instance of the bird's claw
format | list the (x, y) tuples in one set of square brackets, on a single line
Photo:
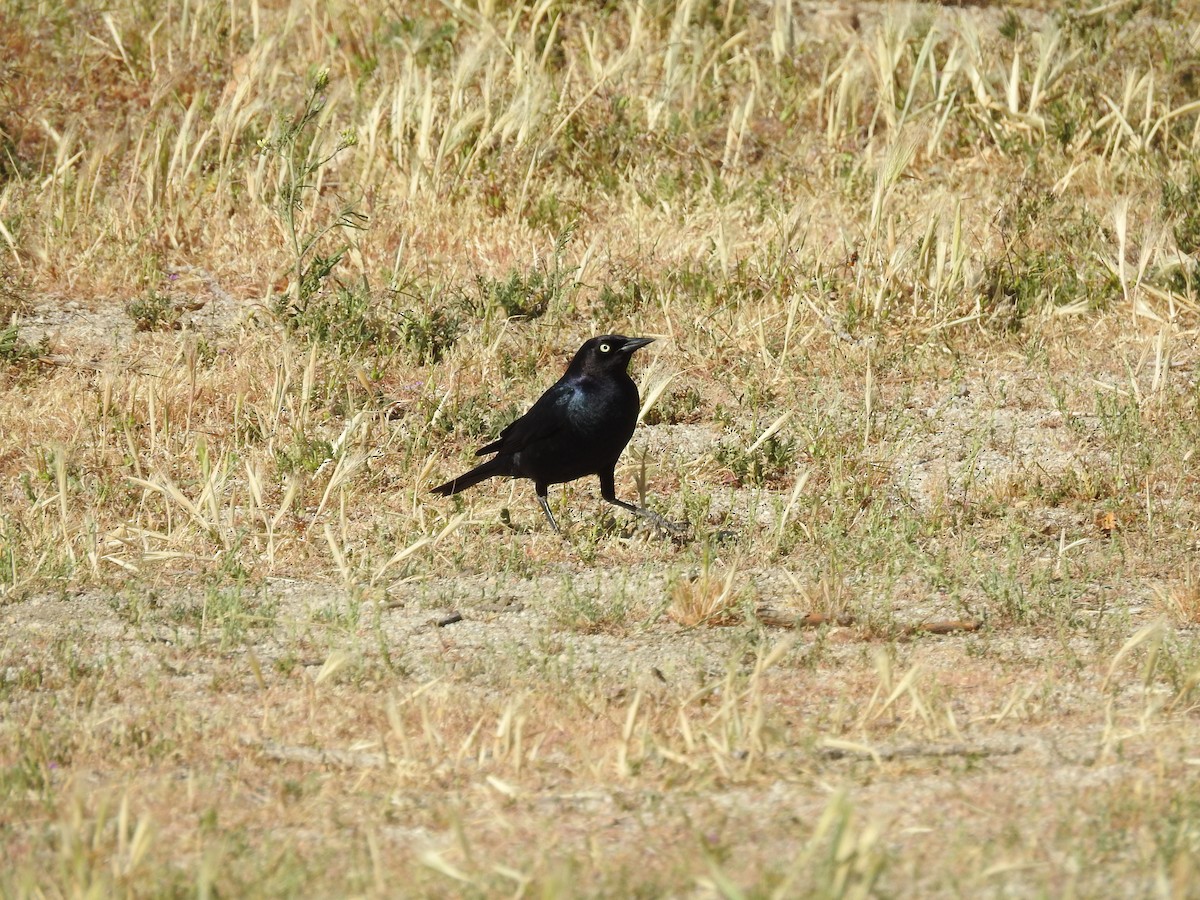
[(676, 530)]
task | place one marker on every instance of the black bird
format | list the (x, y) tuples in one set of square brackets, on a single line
[(579, 427)]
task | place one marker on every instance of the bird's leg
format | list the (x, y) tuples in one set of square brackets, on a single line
[(608, 490), (541, 498)]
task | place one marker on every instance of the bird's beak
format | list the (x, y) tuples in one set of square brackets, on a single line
[(636, 344)]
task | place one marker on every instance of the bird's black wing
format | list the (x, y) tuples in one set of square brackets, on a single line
[(547, 416)]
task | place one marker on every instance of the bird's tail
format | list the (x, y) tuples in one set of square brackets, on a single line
[(495, 466)]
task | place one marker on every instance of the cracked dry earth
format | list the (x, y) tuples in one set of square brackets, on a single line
[(561, 722)]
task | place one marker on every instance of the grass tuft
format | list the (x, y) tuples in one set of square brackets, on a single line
[(707, 597)]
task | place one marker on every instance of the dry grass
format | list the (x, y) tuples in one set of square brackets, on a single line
[(706, 597), (925, 283), (1181, 599)]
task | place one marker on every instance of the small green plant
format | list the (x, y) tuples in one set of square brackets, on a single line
[(296, 147), (15, 350), (586, 610), (347, 320), (428, 334), (550, 213), (356, 322), (529, 295), (677, 406), (521, 295), (768, 462), (14, 288), (1011, 27), (622, 300), (304, 454), (153, 312), (476, 418), (1043, 265), (431, 43), (1180, 203), (233, 611), (711, 289)]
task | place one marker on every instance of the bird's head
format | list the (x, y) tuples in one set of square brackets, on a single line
[(607, 353)]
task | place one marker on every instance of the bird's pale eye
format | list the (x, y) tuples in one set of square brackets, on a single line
[(604, 348)]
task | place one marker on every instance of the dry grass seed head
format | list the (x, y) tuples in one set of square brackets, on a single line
[(1180, 599), (706, 597)]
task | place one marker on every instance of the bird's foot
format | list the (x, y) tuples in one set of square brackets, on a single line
[(677, 530)]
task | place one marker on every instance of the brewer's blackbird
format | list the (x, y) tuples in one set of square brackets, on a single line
[(579, 427)]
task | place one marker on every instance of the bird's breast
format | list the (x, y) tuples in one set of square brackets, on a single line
[(603, 406)]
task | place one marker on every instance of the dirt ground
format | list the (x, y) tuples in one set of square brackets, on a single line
[(556, 727)]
